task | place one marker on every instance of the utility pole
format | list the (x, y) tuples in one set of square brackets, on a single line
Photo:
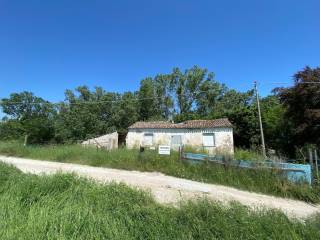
[(260, 121)]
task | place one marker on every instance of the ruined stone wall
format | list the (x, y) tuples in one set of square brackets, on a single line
[(108, 141)]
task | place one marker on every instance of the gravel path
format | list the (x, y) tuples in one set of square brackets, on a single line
[(167, 189)]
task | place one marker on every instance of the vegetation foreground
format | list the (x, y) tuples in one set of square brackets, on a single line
[(263, 181), (67, 207)]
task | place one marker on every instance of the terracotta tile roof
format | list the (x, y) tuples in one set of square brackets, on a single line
[(222, 122)]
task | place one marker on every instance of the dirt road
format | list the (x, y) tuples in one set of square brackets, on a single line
[(166, 189)]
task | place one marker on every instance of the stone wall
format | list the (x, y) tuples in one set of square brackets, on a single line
[(108, 141)]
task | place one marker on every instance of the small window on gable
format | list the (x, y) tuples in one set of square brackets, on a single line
[(148, 139), (208, 139)]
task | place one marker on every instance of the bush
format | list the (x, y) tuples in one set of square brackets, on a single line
[(244, 154)]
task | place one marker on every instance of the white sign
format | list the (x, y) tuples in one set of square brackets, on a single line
[(164, 149)]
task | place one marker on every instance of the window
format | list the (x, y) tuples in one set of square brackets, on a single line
[(208, 139), (176, 140), (148, 139)]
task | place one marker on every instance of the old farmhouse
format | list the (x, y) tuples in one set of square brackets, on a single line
[(212, 135)]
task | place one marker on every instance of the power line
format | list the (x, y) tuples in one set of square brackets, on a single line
[(276, 83), (97, 102), (133, 99)]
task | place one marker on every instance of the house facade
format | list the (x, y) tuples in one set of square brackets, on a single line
[(215, 136)]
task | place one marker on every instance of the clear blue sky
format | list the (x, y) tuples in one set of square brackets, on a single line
[(49, 46)]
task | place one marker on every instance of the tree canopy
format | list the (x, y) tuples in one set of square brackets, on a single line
[(302, 103), (290, 115)]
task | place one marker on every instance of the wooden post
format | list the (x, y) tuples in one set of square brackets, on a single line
[(311, 164), (181, 152), (316, 164), (25, 140), (310, 157)]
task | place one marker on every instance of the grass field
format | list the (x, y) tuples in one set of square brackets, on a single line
[(68, 207), (263, 181)]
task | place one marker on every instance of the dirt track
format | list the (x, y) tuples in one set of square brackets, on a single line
[(166, 189)]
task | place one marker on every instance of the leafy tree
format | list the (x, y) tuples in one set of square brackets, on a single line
[(127, 111), (211, 92), (241, 110), (148, 105), (302, 102), (277, 129), (188, 86), (85, 114), (30, 115), (164, 86), (10, 129)]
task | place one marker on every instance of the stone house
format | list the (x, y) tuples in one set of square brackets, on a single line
[(215, 136)]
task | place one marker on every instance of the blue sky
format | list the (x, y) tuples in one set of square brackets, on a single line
[(49, 46)]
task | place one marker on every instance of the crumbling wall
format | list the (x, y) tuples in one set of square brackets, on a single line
[(108, 141)]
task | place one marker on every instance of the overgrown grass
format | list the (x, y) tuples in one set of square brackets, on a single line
[(67, 207), (263, 181), (244, 154)]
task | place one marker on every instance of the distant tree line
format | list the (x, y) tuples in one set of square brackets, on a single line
[(291, 116)]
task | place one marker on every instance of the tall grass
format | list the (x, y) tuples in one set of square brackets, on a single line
[(244, 154), (263, 181), (67, 207)]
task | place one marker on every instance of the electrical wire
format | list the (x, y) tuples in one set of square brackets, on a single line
[(134, 99)]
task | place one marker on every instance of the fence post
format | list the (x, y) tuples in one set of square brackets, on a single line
[(311, 164), (316, 164), (310, 157), (25, 140), (180, 152)]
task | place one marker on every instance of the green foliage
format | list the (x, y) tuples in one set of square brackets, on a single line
[(259, 180), (68, 207), (30, 115), (290, 117), (11, 129), (302, 104), (244, 154), (147, 106), (192, 149), (188, 85), (81, 117)]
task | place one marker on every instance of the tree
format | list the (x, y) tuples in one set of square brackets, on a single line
[(211, 92), (10, 129), (85, 114), (302, 102), (127, 111), (164, 87), (241, 110), (148, 104), (187, 87), (30, 115), (277, 128)]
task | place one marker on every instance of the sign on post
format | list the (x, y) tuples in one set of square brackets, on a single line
[(164, 150)]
